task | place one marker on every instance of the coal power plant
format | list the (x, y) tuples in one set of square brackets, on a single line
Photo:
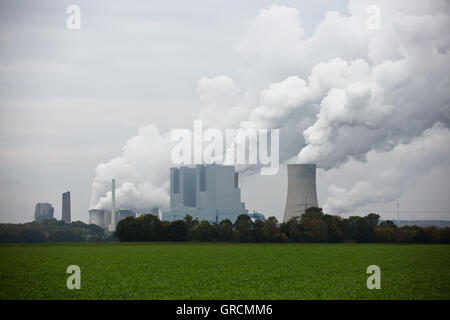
[(301, 193), (207, 192), (212, 193)]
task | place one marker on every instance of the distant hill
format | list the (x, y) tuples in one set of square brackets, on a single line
[(424, 223)]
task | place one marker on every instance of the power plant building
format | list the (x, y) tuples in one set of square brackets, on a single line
[(65, 215), (102, 218), (301, 193), (257, 216), (206, 192), (122, 214), (43, 211)]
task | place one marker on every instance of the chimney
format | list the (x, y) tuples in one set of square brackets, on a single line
[(112, 227)]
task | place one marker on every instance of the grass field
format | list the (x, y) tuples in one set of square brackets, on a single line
[(224, 271)]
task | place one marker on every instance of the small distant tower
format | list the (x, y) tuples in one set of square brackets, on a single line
[(66, 215), (112, 227)]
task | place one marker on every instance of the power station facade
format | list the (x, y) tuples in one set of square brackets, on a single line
[(301, 192), (207, 192), (122, 214)]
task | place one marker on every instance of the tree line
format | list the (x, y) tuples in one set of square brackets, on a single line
[(50, 230), (312, 226)]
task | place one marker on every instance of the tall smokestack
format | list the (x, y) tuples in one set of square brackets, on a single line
[(112, 227), (301, 189)]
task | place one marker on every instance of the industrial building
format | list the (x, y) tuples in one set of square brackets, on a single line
[(66, 214), (257, 216), (122, 214), (206, 192), (43, 211), (102, 218), (301, 193)]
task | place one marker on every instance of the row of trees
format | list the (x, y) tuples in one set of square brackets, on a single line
[(311, 226), (50, 230)]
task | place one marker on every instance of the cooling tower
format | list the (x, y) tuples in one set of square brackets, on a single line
[(107, 219), (301, 193), (96, 217)]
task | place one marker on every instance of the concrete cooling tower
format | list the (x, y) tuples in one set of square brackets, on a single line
[(301, 193), (97, 217)]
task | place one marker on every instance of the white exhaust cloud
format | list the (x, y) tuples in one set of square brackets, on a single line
[(345, 93), (387, 174)]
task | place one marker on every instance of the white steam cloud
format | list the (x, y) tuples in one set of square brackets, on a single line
[(140, 173), (385, 183), (346, 93)]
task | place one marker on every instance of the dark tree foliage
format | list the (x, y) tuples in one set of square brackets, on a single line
[(312, 226), (388, 224), (292, 230), (271, 231), (204, 232), (225, 230), (178, 231), (50, 230), (243, 229), (149, 228), (126, 230), (258, 231)]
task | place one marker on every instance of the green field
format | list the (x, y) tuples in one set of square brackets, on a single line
[(224, 271)]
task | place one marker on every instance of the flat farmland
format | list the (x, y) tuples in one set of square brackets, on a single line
[(223, 271)]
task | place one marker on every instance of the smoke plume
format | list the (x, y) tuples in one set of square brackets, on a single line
[(345, 93)]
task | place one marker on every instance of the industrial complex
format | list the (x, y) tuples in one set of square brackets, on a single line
[(206, 192), (211, 193)]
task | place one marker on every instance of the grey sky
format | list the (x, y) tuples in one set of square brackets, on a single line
[(69, 100)]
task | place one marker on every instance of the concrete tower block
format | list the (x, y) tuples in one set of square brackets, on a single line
[(301, 193), (66, 215), (97, 217)]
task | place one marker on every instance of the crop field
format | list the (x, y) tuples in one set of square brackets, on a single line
[(224, 271)]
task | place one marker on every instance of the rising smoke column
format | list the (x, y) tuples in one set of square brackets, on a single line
[(140, 173)]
